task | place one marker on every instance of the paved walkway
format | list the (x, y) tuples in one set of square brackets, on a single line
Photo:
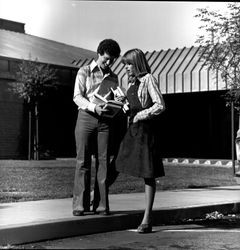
[(32, 221), (70, 162)]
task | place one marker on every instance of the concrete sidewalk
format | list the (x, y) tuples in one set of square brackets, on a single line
[(32, 221)]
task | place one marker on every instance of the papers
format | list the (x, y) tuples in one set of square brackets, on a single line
[(100, 99), (117, 92), (106, 85)]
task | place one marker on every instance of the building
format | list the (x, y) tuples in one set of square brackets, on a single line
[(57, 112), (196, 123)]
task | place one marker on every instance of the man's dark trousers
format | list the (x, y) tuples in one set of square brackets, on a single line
[(92, 136)]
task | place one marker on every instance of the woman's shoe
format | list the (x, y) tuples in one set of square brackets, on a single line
[(106, 212), (144, 228)]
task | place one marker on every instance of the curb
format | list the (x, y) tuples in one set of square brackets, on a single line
[(70, 227)]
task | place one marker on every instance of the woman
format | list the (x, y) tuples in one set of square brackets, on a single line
[(138, 155)]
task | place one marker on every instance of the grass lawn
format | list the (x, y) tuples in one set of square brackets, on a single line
[(40, 181)]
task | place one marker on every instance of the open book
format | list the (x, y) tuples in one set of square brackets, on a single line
[(119, 93), (113, 107), (105, 89)]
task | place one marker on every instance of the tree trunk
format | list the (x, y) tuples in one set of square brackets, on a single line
[(29, 133), (237, 141), (36, 135)]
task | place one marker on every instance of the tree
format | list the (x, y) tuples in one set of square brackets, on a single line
[(220, 48), (33, 79)]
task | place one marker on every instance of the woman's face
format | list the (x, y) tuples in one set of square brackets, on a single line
[(130, 69)]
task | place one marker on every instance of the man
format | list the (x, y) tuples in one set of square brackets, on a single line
[(92, 128)]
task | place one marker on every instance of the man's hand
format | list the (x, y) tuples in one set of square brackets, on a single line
[(120, 98), (99, 109)]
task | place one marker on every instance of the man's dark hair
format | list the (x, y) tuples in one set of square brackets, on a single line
[(110, 46)]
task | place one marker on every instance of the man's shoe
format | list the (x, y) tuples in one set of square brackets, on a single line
[(78, 213), (95, 211), (104, 212)]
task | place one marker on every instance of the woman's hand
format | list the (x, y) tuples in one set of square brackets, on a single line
[(135, 119)]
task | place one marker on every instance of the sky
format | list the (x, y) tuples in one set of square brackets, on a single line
[(148, 25)]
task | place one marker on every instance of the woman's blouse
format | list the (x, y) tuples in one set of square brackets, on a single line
[(150, 98)]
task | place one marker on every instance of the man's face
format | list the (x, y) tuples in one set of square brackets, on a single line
[(104, 61)]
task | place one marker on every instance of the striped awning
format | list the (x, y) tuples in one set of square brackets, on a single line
[(178, 71)]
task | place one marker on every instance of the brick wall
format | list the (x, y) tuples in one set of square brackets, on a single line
[(13, 129)]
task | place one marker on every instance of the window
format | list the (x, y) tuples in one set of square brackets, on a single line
[(4, 65)]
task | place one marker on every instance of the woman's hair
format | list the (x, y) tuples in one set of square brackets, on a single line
[(110, 46), (137, 58)]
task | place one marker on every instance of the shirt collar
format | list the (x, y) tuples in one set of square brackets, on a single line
[(94, 65)]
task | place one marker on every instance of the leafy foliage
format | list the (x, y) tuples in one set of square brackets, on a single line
[(220, 46), (33, 79)]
